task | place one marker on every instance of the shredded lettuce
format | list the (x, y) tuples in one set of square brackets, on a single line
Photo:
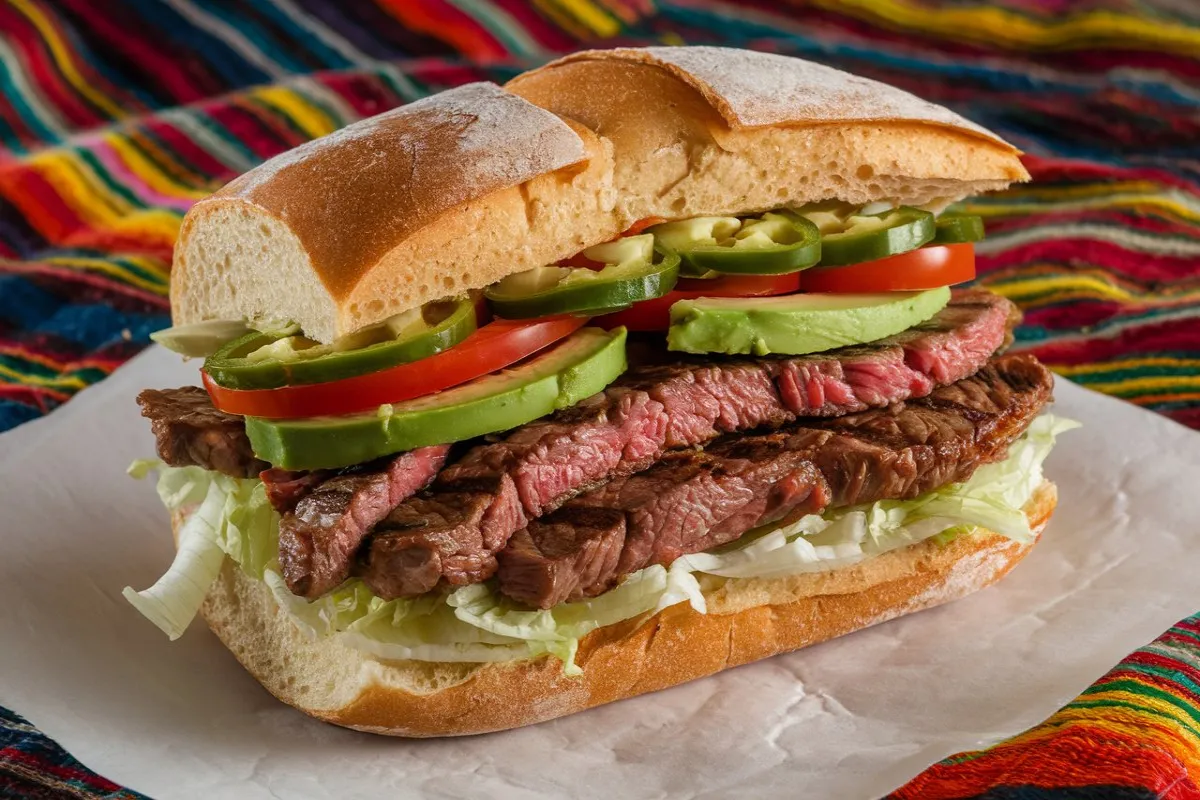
[(232, 517)]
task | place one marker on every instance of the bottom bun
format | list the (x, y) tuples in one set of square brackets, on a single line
[(748, 619)]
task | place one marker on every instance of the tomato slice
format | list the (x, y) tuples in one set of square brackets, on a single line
[(490, 348), (916, 270), (655, 315)]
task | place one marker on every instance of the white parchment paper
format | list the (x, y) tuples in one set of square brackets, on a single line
[(855, 717)]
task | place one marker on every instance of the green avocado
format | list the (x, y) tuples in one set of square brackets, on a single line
[(798, 323), (562, 376)]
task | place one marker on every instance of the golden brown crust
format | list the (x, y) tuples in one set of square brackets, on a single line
[(751, 89), (354, 195), (411, 206), (747, 621)]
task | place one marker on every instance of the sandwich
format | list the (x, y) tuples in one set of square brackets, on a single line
[(652, 362)]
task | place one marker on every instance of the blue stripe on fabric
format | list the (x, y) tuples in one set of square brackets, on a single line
[(13, 414), (96, 326), (260, 37), (738, 30), (221, 57), (331, 58), (23, 303)]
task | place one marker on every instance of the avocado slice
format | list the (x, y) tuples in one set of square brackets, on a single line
[(577, 368), (798, 323)]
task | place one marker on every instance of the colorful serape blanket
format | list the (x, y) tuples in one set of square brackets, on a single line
[(116, 116)]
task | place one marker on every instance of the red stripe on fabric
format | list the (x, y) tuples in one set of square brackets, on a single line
[(35, 396), (1050, 170), (68, 276), (1149, 679), (1073, 252), (30, 47), (1186, 416), (442, 21), (544, 32), (1108, 217), (39, 202), (199, 160), (1146, 338), (128, 103), (182, 78), (62, 771), (365, 94), (1082, 755), (245, 127)]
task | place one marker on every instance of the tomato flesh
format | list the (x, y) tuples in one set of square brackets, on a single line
[(490, 348), (917, 270), (655, 315)]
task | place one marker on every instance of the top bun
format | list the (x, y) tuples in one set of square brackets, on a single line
[(460, 189)]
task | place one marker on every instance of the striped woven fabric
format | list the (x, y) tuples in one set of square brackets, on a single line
[(1131, 736), (116, 116)]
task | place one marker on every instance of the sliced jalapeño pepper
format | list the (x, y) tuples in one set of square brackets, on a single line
[(958, 229), (774, 243), (269, 360), (850, 238), (635, 272)]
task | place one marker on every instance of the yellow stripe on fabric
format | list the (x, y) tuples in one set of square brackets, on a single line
[(62, 57), (1003, 209), (1075, 370), (1174, 397), (597, 21), (989, 25), (1161, 383), (1092, 284), (96, 204), (62, 381), (1134, 724), (308, 116), (110, 268), (75, 183), (150, 172)]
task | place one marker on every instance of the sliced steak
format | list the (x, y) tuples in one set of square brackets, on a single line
[(191, 432), (285, 488), (692, 501), (318, 541), (657, 407)]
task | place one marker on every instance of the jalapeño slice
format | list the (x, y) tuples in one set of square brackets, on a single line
[(275, 359), (773, 243), (850, 238), (635, 272), (958, 229)]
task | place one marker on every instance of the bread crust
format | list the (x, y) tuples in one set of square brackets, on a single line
[(408, 207), (748, 620)]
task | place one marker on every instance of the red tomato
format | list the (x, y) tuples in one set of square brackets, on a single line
[(493, 347), (924, 268), (655, 315), (642, 224)]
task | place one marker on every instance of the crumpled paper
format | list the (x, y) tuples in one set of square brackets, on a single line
[(855, 717)]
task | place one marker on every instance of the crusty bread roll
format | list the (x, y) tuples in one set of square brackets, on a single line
[(463, 188), (748, 619)]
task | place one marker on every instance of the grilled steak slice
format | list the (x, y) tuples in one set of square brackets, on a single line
[(654, 408), (318, 541), (285, 488), (191, 432), (442, 537), (693, 501)]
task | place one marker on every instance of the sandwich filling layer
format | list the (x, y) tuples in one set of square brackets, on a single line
[(518, 545)]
